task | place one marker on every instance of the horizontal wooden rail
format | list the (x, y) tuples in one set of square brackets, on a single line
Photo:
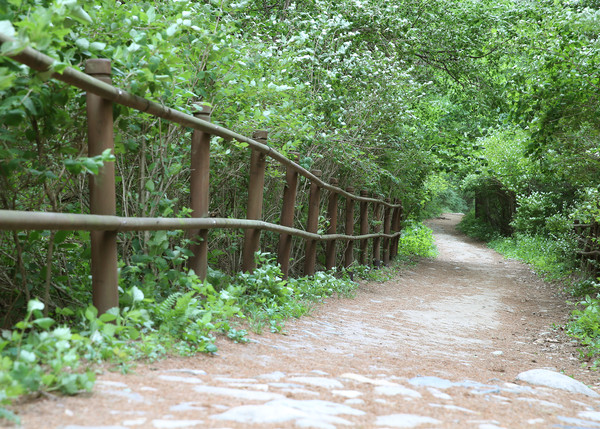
[(43, 63), (582, 225), (24, 220), (104, 224)]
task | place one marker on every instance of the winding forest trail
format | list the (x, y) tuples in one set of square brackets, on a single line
[(438, 346)]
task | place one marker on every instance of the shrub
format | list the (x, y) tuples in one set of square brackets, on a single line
[(417, 240), (477, 228)]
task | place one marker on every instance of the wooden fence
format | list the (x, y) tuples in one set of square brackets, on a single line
[(104, 224), (588, 237)]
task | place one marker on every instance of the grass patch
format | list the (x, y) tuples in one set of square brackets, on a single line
[(549, 257)]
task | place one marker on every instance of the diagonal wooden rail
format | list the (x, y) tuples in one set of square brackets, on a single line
[(104, 223)]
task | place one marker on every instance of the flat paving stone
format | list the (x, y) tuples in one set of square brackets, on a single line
[(237, 380), (453, 408), (111, 383), (438, 394), (175, 424), (92, 427), (187, 371), (555, 380), (397, 390), (135, 422), (590, 415), (405, 420), (541, 402), (275, 376), (431, 381), (180, 379), (251, 395), (127, 394), (579, 422), (367, 380), (186, 406), (327, 383), (284, 410), (347, 393)]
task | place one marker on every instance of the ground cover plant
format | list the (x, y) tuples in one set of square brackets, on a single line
[(44, 354)]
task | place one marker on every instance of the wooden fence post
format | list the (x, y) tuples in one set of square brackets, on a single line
[(287, 217), (312, 225), (364, 227), (332, 215), (349, 228), (255, 202), (396, 220), (199, 197), (376, 229), (105, 292), (387, 220)]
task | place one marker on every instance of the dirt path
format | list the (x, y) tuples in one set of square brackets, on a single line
[(438, 346)]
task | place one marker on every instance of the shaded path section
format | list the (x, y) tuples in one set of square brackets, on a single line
[(440, 345)]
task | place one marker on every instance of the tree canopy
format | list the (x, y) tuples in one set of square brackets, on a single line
[(409, 99)]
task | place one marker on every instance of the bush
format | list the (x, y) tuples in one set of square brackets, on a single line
[(532, 211), (585, 326), (477, 228), (417, 240)]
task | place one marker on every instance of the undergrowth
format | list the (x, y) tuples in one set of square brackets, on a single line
[(58, 354), (417, 240), (476, 228), (585, 327), (549, 257)]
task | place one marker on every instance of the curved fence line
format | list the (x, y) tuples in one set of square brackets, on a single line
[(43, 63), (104, 224)]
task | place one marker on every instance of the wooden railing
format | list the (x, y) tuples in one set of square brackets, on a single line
[(588, 237), (104, 224)]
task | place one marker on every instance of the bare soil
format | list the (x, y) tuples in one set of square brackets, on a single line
[(467, 315)]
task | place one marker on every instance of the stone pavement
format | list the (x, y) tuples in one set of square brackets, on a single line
[(318, 400)]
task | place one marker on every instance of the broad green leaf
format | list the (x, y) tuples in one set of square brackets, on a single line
[(27, 356), (33, 305), (83, 43), (172, 29), (137, 294), (150, 14), (44, 322), (7, 29), (97, 46), (81, 15), (90, 313), (91, 165), (107, 317), (149, 185)]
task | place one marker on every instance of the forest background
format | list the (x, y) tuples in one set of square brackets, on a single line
[(442, 104)]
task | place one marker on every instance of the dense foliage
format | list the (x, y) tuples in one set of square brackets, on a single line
[(427, 101), (345, 85)]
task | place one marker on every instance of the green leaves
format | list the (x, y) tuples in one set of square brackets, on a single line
[(89, 165), (33, 357), (7, 29)]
